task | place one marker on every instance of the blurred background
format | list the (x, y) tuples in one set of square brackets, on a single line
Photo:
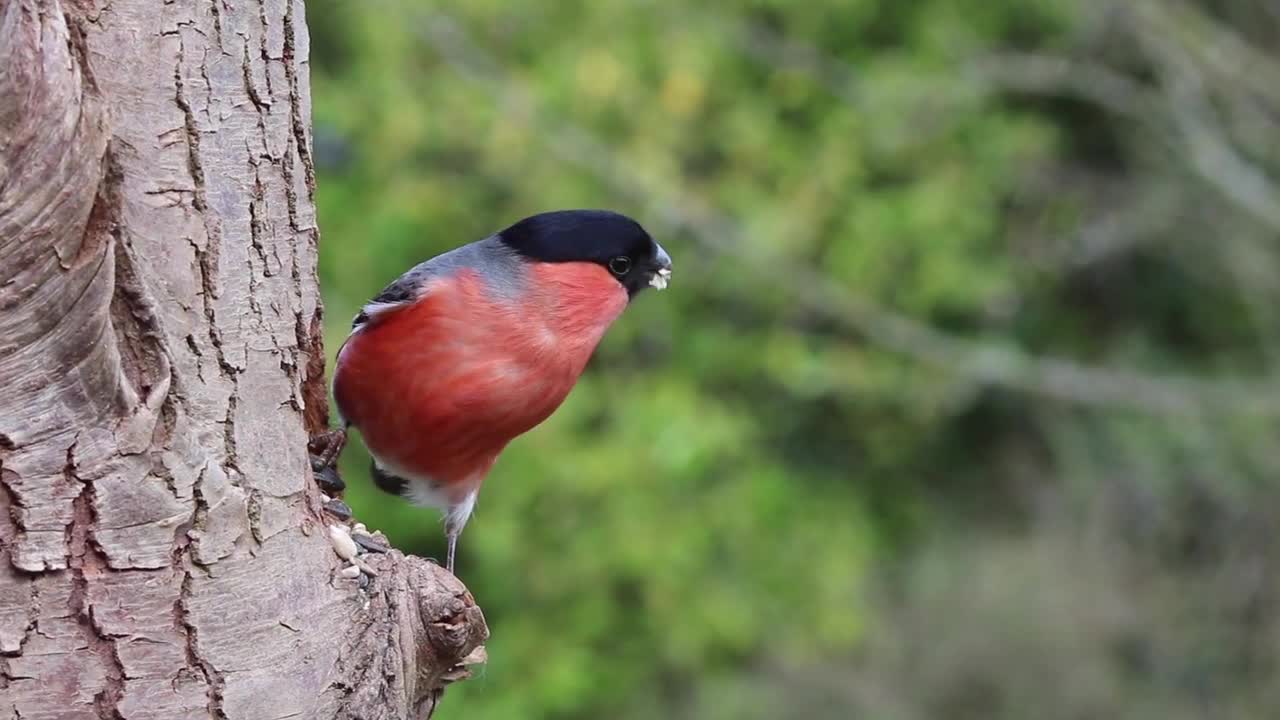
[(964, 400)]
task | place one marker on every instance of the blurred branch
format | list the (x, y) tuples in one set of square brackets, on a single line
[(1185, 131), (987, 362), (1215, 47), (1064, 77), (1122, 223), (1177, 116), (1210, 151), (1186, 134), (778, 51), (1001, 72)]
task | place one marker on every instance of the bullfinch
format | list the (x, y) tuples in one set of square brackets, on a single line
[(472, 348)]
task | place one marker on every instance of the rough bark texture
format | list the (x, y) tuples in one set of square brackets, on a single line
[(162, 550)]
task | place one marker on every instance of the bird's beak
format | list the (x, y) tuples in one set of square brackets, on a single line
[(662, 273)]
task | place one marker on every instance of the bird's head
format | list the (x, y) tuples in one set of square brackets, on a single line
[(613, 241)]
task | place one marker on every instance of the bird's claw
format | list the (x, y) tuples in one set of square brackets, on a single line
[(325, 447)]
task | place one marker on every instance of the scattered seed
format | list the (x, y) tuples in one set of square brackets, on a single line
[(343, 545), (329, 481), (338, 509), (364, 566), (368, 542)]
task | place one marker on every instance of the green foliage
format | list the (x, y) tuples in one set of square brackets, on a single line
[(699, 525)]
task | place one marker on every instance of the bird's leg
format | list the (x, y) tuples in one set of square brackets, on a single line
[(325, 448), (451, 534), (456, 517)]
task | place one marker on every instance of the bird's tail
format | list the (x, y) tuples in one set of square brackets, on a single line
[(387, 482)]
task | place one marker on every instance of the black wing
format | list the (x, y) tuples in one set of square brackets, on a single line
[(401, 291), (487, 253)]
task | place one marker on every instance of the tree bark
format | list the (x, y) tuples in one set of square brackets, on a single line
[(163, 553)]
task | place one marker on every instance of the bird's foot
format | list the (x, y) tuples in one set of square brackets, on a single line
[(325, 447)]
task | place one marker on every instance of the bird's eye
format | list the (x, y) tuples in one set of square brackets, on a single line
[(620, 265)]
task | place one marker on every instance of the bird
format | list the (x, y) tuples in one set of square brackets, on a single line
[(472, 348)]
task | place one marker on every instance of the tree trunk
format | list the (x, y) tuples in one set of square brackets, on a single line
[(163, 553)]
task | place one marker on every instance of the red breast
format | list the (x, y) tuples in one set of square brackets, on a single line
[(439, 387)]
